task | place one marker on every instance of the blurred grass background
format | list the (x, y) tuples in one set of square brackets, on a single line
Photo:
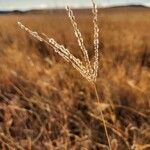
[(45, 103)]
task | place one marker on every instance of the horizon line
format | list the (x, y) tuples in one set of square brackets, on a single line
[(73, 7)]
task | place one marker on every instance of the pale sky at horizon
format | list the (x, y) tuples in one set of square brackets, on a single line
[(43, 4)]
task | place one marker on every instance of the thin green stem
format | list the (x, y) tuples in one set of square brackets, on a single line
[(102, 115)]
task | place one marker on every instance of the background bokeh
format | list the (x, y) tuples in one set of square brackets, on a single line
[(46, 104)]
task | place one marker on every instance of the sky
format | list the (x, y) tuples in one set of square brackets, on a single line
[(44, 4)]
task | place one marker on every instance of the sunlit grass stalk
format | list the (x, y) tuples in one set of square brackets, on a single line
[(88, 70), (102, 115)]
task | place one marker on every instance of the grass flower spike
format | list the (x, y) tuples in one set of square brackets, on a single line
[(86, 69)]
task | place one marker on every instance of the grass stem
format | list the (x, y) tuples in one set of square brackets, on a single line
[(102, 115)]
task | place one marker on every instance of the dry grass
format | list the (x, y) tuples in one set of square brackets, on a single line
[(45, 103)]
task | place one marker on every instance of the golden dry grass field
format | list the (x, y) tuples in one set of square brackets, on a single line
[(45, 104)]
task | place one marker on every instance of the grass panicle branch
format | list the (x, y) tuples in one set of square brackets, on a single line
[(79, 37), (96, 37)]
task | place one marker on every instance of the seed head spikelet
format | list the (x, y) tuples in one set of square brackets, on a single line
[(86, 70)]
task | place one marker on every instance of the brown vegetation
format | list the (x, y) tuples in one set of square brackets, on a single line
[(46, 104)]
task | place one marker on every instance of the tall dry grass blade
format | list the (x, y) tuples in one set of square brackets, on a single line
[(95, 66), (88, 72)]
